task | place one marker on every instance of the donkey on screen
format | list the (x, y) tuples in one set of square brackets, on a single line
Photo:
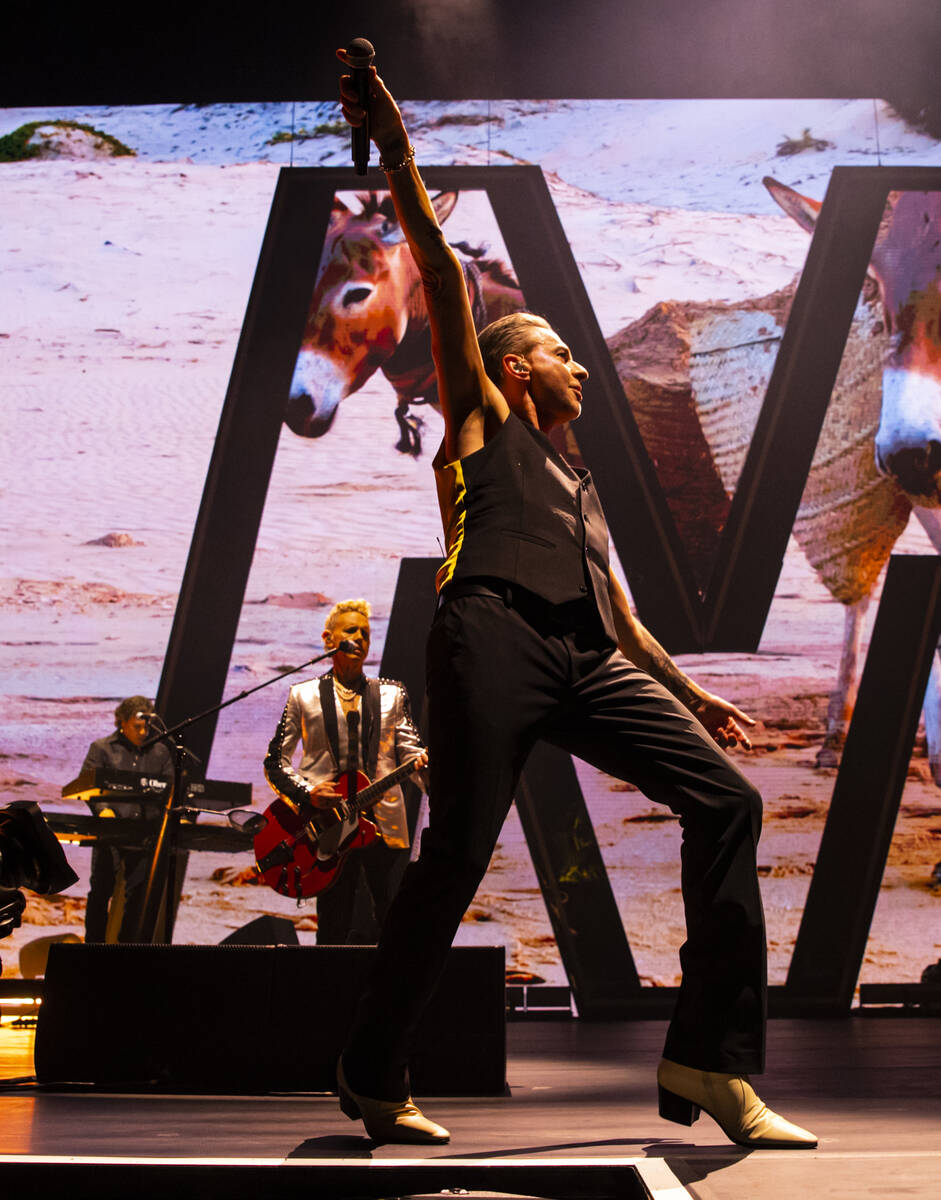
[(906, 267), (368, 313)]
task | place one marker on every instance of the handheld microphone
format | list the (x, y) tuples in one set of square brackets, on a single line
[(361, 54), (348, 647)]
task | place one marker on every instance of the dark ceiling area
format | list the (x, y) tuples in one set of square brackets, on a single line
[(482, 49)]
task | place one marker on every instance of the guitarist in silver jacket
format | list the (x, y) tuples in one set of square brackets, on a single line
[(340, 720)]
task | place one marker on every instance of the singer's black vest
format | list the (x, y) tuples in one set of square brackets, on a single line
[(515, 510)]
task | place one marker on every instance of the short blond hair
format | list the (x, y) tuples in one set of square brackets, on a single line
[(342, 606)]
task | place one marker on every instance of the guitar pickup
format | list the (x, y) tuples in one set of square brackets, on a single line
[(281, 854), (341, 813)]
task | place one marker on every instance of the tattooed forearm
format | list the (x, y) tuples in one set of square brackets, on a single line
[(651, 657)]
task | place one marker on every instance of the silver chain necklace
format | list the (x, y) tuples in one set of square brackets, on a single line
[(344, 692)]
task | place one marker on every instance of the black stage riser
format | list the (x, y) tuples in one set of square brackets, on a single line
[(240, 1019), (591, 1179)]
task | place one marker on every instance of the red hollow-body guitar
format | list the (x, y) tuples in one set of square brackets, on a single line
[(301, 853)]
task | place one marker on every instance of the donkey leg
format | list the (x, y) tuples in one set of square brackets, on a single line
[(401, 416), (410, 427), (843, 696)]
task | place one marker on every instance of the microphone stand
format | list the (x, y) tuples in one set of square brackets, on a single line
[(165, 846)]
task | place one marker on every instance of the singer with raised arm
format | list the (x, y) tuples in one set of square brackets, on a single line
[(534, 639), (118, 882), (347, 722)]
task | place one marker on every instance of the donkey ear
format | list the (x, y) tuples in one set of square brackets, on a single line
[(443, 204), (799, 208)]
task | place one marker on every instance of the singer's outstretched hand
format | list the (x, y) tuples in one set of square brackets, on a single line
[(385, 121)]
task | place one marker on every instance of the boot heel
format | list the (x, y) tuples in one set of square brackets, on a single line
[(675, 1108), (348, 1105)]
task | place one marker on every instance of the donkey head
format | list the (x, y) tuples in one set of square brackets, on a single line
[(906, 265), (367, 292)]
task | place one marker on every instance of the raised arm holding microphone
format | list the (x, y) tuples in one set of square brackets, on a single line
[(534, 639)]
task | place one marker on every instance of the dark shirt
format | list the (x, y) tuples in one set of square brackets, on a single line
[(515, 510), (119, 754)]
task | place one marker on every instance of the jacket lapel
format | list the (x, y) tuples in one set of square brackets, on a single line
[(328, 709)]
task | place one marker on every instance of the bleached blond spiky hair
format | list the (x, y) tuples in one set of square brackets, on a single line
[(342, 606)]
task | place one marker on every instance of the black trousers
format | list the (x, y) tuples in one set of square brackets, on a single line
[(106, 860), (353, 911), (503, 673)]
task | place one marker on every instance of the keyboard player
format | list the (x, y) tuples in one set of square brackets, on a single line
[(119, 873)]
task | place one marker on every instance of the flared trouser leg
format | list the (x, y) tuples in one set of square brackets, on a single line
[(496, 685), (623, 722), (479, 735)]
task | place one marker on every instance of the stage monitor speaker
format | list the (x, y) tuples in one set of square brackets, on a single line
[(263, 931), (250, 1019)]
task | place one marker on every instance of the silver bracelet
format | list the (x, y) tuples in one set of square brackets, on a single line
[(389, 168)]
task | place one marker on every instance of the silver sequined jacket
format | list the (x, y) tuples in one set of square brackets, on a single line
[(302, 721)]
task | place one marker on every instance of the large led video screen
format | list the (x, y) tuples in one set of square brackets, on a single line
[(130, 242)]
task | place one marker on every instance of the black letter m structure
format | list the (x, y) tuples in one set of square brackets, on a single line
[(729, 614)]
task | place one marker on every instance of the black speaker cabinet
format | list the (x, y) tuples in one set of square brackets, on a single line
[(250, 1019), (263, 931)]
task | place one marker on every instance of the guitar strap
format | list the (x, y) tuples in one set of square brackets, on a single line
[(352, 751), (328, 708)]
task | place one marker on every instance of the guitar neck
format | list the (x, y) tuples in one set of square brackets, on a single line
[(375, 791)]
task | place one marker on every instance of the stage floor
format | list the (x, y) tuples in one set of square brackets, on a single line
[(582, 1104)]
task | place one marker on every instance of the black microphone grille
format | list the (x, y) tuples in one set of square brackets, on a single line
[(361, 52)]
